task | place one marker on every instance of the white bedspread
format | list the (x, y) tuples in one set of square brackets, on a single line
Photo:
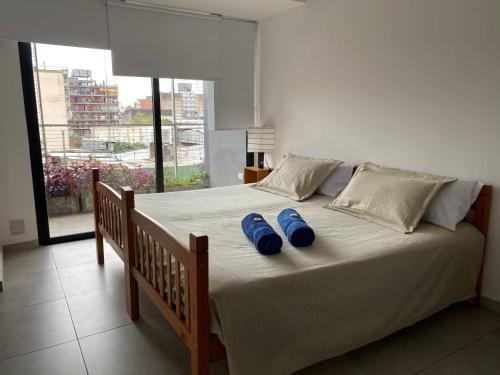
[(358, 282)]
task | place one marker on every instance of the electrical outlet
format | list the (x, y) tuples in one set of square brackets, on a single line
[(240, 176), (17, 227)]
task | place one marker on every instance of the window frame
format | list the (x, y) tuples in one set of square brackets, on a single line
[(35, 148)]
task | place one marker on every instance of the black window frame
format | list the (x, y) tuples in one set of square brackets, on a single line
[(35, 148)]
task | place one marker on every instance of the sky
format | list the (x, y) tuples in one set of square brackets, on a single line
[(99, 62)]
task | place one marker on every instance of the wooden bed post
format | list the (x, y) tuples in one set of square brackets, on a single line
[(200, 324), (128, 232), (481, 222), (98, 235)]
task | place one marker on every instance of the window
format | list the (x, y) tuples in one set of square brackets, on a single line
[(90, 118), (182, 104)]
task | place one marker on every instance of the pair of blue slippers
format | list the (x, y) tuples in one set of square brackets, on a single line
[(267, 241)]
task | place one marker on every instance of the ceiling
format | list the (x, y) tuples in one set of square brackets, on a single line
[(248, 9)]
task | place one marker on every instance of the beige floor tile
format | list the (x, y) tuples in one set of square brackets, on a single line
[(29, 289), (22, 262), (79, 252), (404, 352), (462, 363), (99, 311), (34, 327), (104, 310), (338, 366), (145, 347), (64, 359), (488, 348), (91, 277), (463, 324)]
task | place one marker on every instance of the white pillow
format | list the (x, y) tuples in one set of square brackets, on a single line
[(336, 181), (451, 205)]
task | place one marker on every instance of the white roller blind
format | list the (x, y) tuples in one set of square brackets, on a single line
[(234, 92), (80, 23), (148, 43)]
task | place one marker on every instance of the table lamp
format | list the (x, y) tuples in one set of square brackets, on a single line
[(259, 141)]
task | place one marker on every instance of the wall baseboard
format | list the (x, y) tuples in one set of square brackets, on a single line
[(33, 244), (490, 304)]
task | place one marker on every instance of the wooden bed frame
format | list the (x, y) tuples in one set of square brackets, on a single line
[(139, 241), (149, 250)]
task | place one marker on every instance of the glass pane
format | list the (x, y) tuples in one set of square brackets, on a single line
[(182, 105), (89, 118)]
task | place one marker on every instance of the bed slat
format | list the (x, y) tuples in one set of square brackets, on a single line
[(169, 280), (162, 273), (187, 302), (154, 282), (178, 288), (148, 258)]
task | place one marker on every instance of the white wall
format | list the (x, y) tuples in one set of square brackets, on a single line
[(226, 156), (16, 189), (225, 149), (405, 83)]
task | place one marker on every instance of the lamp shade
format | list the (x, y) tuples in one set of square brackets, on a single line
[(260, 139)]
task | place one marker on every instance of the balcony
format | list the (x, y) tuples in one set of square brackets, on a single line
[(125, 155)]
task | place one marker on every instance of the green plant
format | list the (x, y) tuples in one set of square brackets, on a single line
[(75, 179), (125, 147), (195, 178)]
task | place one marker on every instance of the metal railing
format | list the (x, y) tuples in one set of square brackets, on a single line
[(126, 155), (130, 144)]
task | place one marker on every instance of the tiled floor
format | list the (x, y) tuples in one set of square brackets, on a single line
[(61, 313)]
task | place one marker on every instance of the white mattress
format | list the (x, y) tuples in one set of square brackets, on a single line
[(358, 282)]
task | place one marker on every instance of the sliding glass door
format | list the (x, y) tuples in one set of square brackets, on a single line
[(182, 104), (88, 118)]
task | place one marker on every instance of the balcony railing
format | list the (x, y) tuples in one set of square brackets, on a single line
[(126, 155), (132, 144)]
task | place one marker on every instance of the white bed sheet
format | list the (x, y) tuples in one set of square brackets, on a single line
[(358, 282)]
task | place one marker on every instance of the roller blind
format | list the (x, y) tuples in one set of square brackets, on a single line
[(65, 22), (234, 92), (149, 43)]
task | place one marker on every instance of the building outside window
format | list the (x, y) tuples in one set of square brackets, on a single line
[(90, 118)]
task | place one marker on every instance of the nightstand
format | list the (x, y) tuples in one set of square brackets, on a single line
[(254, 174)]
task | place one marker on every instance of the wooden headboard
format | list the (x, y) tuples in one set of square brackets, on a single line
[(480, 212)]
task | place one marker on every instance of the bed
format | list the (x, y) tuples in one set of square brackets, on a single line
[(358, 283)]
